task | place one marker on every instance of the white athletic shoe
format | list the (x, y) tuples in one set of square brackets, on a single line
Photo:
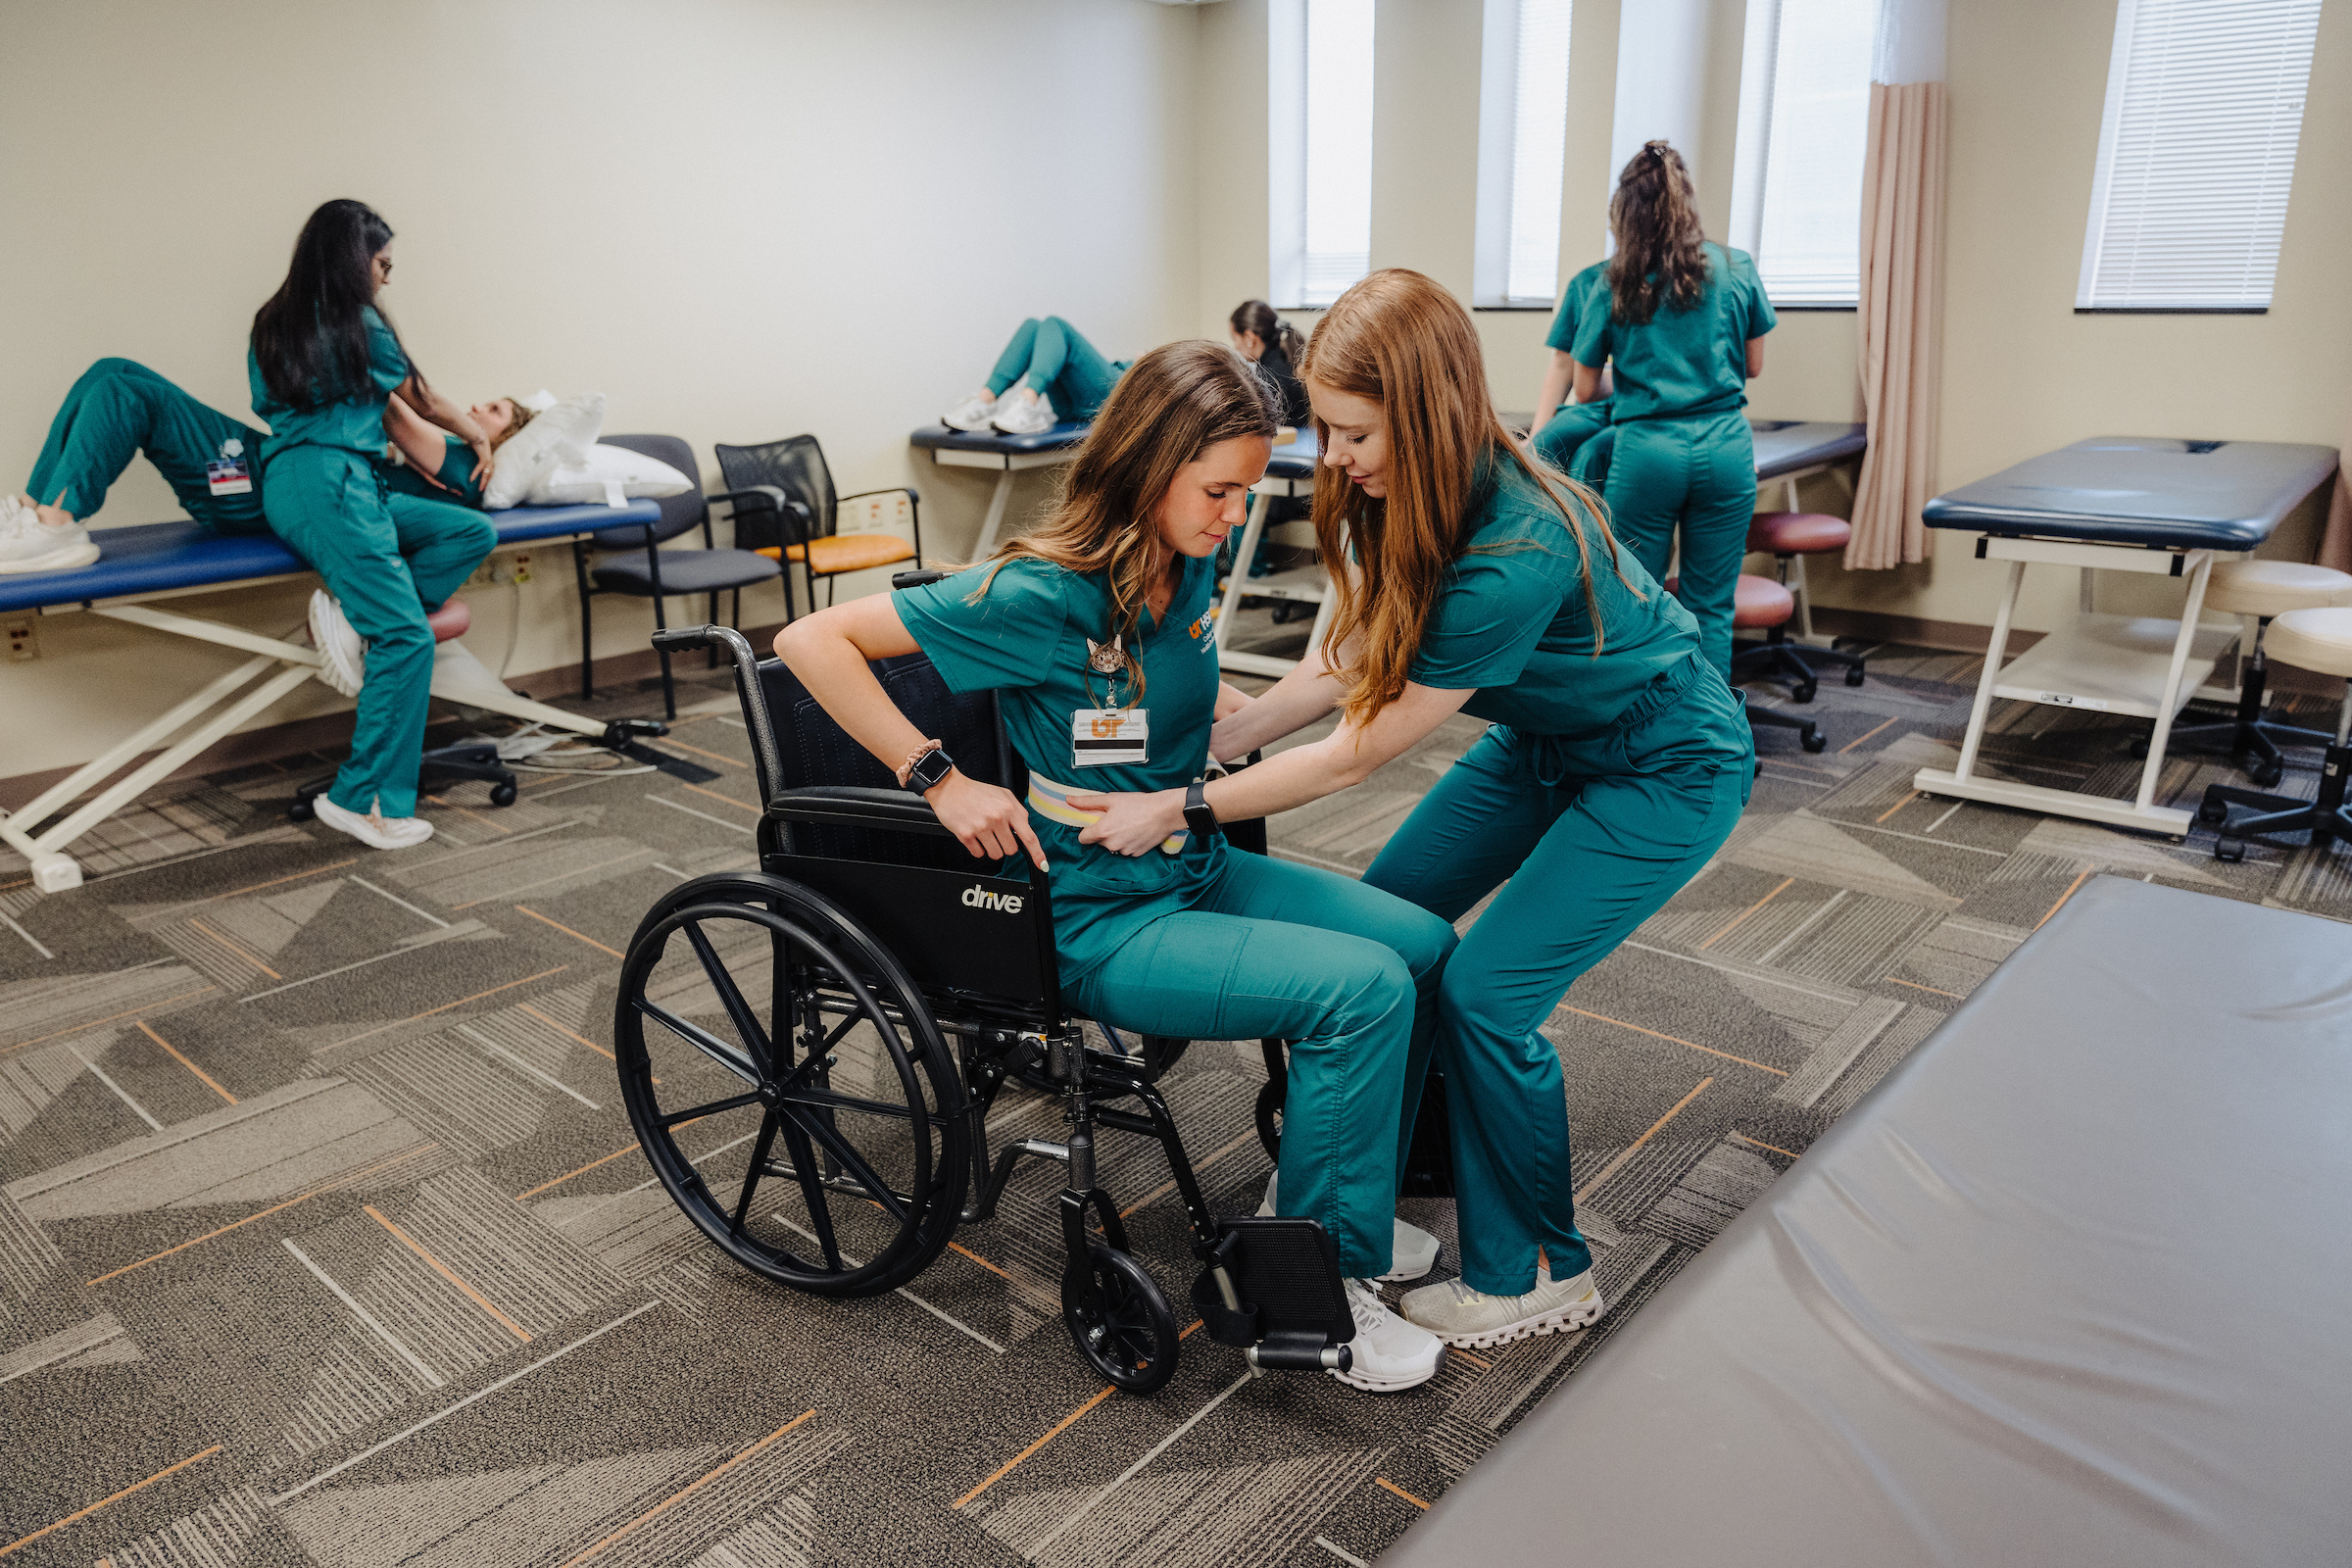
[(342, 656), (1388, 1353), (1461, 1315), (1412, 1251), (1021, 412), (973, 414), (376, 832), (26, 544)]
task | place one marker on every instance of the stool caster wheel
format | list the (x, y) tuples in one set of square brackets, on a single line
[(2212, 814), (502, 794), (1121, 1320), (301, 810), (2266, 774), (1853, 674), (1804, 693), (2139, 749), (1812, 739), (2229, 848)]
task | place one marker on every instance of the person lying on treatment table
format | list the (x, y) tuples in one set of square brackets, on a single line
[(1095, 631)]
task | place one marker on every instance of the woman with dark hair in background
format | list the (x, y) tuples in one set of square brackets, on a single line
[(323, 366), (1273, 345), (1684, 325)]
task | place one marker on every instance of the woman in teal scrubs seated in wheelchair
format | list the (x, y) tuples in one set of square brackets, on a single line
[(1095, 630), (1617, 762)]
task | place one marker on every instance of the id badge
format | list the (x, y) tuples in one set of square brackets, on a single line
[(1100, 737), (226, 474)]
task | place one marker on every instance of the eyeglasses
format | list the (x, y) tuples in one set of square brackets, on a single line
[(385, 265)]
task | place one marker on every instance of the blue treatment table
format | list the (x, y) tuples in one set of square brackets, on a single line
[(1008, 455), (2066, 1289), (162, 561), (2140, 503)]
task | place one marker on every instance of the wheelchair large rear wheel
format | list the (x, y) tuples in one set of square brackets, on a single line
[(790, 1086)]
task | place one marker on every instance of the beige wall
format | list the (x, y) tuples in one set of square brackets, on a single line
[(739, 218)]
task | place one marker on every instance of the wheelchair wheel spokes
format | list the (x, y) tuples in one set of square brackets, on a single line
[(842, 1168)]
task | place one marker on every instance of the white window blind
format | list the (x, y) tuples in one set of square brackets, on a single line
[(1804, 123), (1522, 148), (2196, 153), (1319, 66)]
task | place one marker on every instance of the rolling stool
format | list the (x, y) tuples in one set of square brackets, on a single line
[(2264, 590), (474, 758), (1760, 604), (1788, 537), (2308, 639)]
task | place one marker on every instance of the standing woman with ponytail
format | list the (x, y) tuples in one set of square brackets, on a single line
[(322, 364), (1684, 319), (1617, 762)]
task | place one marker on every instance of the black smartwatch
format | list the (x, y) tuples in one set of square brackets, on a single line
[(929, 770), (1197, 815)]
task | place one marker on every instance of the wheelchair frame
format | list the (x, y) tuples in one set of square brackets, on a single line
[(1269, 1286)]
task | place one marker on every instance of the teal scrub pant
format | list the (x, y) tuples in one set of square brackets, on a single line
[(1056, 361), (118, 410), (389, 558), (1699, 475), (1588, 859), (1569, 429), (1348, 975)]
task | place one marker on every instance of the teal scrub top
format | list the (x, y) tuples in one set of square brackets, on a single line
[(354, 421), (1511, 618), (1575, 302), (457, 473), (1026, 639), (1683, 363)]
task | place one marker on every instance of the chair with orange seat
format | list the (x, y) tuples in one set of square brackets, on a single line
[(1788, 537), (786, 508), (1760, 604)]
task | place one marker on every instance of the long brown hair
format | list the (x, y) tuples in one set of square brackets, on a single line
[(1171, 406), (1256, 315), (1399, 339), (1654, 218)]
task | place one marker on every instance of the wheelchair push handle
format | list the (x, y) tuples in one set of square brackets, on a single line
[(747, 686)]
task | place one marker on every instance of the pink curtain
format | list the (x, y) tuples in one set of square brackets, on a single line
[(1901, 320)]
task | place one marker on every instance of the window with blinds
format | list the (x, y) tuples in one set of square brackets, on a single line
[(1804, 123), (1522, 152), (2197, 154), (1319, 71)]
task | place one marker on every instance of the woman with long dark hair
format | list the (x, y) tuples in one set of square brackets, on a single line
[(1273, 345), (1094, 629), (323, 365), (1617, 759), (1684, 322)]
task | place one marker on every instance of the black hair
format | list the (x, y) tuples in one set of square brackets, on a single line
[(309, 339), (1256, 315)]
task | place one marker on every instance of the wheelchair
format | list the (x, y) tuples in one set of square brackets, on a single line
[(852, 1009)]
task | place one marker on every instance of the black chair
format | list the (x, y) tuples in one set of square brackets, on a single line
[(785, 509), (649, 573)]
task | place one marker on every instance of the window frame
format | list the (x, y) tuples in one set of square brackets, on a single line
[(1499, 153), (1752, 155), (1290, 143)]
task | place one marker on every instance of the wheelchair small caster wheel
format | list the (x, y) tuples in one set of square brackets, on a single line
[(1804, 693), (2229, 848), (302, 810), (2266, 774), (502, 794), (2213, 812), (1121, 1320), (2139, 748), (1853, 674), (1812, 739)]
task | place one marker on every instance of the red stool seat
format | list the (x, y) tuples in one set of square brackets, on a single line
[(452, 619), (1757, 602), (1797, 533)]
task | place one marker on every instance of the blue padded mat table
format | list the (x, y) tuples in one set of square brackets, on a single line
[(2141, 504), (1788, 448), (1006, 455)]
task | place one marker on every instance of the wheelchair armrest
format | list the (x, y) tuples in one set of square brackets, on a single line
[(856, 805)]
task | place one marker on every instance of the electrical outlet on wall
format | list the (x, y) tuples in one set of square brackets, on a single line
[(523, 568), (23, 641)]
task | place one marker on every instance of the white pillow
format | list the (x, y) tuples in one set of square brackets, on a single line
[(613, 475), (563, 434)]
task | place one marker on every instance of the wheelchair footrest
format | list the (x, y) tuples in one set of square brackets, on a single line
[(1272, 1288)]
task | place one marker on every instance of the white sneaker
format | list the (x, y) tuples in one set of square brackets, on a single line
[(376, 832), (27, 544), (1461, 1315), (1023, 414), (342, 656), (973, 414), (1412, 1251), (1388, 1353)]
